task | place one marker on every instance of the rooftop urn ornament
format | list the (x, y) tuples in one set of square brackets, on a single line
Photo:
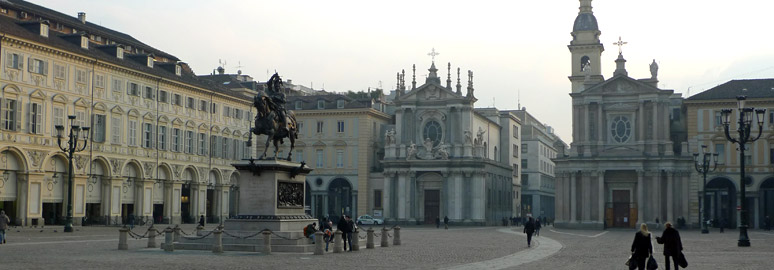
[(272, 119)]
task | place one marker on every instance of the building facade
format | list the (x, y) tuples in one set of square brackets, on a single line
[(538, 149), (161, 140), (445, 158), (722, 195), (628, 162)]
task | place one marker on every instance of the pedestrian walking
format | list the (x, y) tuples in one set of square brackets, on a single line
[(343, 226), (201, 221), (4, 220), (351, 228), (437, 222), (767, 223), (529, 229), (537, 227), (446, 222), (673, 246), (641, 246), (131, 221), (722, 224)]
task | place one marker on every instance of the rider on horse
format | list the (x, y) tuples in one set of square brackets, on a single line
[(276, 100)]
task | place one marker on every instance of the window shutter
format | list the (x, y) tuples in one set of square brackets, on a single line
[(41, 117), (29, 64), (30, 115), (128, 88), (9, 60), (18, 115), (45, 68)]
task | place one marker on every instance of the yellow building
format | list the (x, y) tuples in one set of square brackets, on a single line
[(161, 140), (705, 127)]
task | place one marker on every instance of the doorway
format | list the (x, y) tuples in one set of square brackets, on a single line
[(720, 200), (432, 205), (52, 213), (93, 214), (621, 213)]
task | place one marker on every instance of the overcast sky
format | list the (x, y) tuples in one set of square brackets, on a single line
[(510, 46)]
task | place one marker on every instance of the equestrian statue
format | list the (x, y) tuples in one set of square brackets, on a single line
[(272, 119)]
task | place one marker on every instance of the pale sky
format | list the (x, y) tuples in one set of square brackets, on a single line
[(510, 46)]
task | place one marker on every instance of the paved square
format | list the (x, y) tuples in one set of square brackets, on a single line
[(422, 248)]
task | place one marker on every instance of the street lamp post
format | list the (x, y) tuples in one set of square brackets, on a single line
[(744, 128), (703, 167), (70, 147)]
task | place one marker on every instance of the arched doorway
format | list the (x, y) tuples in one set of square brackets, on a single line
[(720, 202), (339, 199), (185, 196), (54, 188), (211, 204), (11, 166), (94, 193), (767, 201), (163, 176), (128, 189)]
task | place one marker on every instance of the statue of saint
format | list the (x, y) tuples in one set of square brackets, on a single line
[(480, 136), (389, 137), (653, 69), (442, 152), (411, 151), (468, 137)]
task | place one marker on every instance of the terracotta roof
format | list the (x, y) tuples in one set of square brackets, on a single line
[(754, 88)]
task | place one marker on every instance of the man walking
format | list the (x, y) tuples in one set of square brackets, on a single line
[(4, 220), (343, 226), (529, 229), (446, 222)]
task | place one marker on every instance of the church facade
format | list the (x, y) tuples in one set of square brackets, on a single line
[(445, 158), (628, 161)]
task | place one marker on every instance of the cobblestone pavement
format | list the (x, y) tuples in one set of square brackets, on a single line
[(422, 248)]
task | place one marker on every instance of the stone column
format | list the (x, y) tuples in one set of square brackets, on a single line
[(602, 196), (387, 211), (654, 104), (573, 193), (640, 197), (559, 204), (670, 202), (586, 199), (22, 195), (402, 196), (457, 196), (685, 194)]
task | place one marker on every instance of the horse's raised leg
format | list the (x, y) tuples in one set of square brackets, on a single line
[(292, 145), (266, 148), (276, 149)]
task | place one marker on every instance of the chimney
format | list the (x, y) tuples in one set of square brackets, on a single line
[(82, 17)]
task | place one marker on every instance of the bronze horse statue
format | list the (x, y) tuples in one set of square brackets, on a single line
[(268, 121)]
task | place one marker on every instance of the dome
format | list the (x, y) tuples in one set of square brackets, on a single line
[(585, 22)]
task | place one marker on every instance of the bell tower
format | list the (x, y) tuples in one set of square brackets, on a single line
[(586, 49)]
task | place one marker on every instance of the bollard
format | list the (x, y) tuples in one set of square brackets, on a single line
[(122, 234), (370, 238), (384, 238), (169, 246), (318, 244), (177, 233), (355, 241), (396, 240), (337, 241), (199, 229), (267, 242), (151, 237), (217, 246)]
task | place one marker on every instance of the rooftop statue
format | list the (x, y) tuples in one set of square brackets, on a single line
[(272, 119)]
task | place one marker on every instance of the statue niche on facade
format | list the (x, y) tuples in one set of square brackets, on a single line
[(272, 119)]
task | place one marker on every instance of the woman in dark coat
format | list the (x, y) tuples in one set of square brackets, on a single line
[(529, 229), (672, 244), (641, 247)]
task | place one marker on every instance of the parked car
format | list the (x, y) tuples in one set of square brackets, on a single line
[(366, 219)]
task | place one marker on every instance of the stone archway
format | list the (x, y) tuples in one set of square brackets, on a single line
[(339, 198), (186, 195), (54, 191), (160, 193), (97, 192), (767, 201), (13, 168), (132, 174), (430, 197), (720, 202)]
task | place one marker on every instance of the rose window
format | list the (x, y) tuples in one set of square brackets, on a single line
[(621, 129)]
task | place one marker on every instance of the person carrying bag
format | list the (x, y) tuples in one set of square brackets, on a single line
[(642, 249), (673, 247)]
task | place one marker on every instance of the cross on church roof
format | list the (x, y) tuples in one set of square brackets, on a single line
[(620, 44), (433, 54)]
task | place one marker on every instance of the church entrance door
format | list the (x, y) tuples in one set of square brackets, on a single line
[(432, 205), (621, 208)]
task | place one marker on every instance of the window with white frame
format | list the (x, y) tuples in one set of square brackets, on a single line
[(321, 104), (340, 104), (60, 72), (148, 93), (58, 117), (38, 66), (515, 150), (163, 96), (80, 76), (13, 60), (203, 105), (117, 85), (80, 117), (147, 135), (190, 103), (215, 146), (320, 127), (189, 141), (115, 129), (202, 144), (99, 81), (99, 128), (299, 104), (300, 127), (339, 158), (718, 119), (226, 147), (132, 135), (176, 139), (177, 99), (214, 109), (340, 127), (162, 137), (515, 131), (721, 150), (320, 158), (36, 118), (133, 89), (238, 113), (524, 147)]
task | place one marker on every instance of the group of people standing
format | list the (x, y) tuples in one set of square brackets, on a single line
[(345, 225), (642, 246)]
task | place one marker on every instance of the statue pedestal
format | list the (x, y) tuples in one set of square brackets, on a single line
[(271, 196)]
